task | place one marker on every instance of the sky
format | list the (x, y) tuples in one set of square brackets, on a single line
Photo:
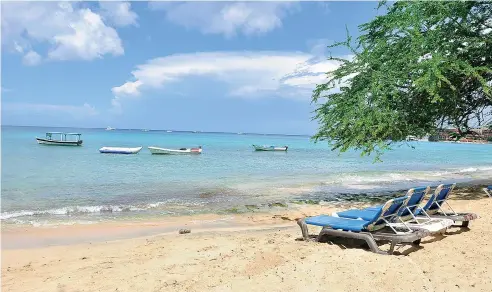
[(207, 66)]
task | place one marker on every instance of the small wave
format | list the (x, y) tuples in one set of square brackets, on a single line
[(377, 178), (56, 224), (106, 209), (46, 223), (411, 176), (469, 169), (64, 211)]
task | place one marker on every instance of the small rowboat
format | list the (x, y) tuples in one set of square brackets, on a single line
[(270, 148), (158, 150), (120, 150)]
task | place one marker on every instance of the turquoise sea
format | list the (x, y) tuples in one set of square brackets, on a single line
[(44, 185)]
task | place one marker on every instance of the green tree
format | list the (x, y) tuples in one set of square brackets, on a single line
[(419, 67)]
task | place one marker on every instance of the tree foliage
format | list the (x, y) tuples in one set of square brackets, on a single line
[(417, 68)]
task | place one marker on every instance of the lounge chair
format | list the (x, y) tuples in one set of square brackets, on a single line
[(434, 207), (407, 216), (488, 191), (374, 229)]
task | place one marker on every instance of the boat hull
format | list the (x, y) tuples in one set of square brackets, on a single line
[(120, 150), (58, 143), (269, 148), (165, 151)]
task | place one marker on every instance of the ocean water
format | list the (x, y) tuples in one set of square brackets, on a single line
[(43, 185)]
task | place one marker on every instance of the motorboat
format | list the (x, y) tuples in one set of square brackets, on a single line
[(61, 139), (270, 148), (120, 150), (158, 150)]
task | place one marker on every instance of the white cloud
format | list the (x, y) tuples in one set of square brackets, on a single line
[(70, 31), (245, 74), (118, 13), (227, 18), (18, 48), (76, 111), (89, 39), (31, 58)]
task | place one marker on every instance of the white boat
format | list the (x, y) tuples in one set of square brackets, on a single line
[(110, 129), (120, 150), (169, 131), (158, 150), (65, 139), (270, 148)]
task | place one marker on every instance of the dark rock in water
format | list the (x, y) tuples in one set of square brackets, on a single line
[(232, 210), (206, 195), (282, 217), (184, 231), (106, 209), (277, 205), (252, 207)]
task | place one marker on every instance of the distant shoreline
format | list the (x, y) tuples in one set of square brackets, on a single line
[(467, 142)]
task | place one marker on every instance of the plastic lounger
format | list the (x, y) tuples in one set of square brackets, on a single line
[(434, 207), (407, 211), (406, 216), (488, 191), (375, 229)]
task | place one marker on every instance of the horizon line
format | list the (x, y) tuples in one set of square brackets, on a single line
[(182, 131)]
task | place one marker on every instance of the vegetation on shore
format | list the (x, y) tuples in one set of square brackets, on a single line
[(420, 67)]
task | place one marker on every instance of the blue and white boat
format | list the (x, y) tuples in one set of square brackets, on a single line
[(120, 150), (270, 148)]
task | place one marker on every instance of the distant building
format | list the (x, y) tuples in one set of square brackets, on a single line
[(478, 135)]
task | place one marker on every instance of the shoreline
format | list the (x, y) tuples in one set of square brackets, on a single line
[(32, 237), (230, 201), (258, 256)]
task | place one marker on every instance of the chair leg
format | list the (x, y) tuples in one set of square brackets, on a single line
[(392, 248), (367, 237), (487, 192), (304, 229)]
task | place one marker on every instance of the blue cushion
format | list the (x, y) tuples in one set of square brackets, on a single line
[(441, 197), (337, 223), (367, 215), (489, 187)]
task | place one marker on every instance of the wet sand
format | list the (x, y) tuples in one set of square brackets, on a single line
[(247, 252)]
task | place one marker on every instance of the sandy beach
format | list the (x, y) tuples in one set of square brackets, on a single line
[(252, 252)]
